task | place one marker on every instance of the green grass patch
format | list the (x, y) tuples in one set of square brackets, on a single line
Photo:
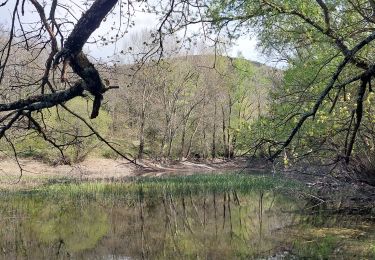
[(322, 248), (158, 186)]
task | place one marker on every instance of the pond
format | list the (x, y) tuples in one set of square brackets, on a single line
[(226, 216)]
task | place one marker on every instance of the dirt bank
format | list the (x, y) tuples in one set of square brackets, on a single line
[(35, 173)]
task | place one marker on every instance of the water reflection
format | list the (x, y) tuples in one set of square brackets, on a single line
[(211, 226)]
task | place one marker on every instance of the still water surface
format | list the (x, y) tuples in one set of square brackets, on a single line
[(259, 224)]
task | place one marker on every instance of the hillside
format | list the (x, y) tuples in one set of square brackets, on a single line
[(187, 107), (193, 106)]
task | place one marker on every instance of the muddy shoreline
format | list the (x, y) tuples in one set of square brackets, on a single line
[(336, 194)]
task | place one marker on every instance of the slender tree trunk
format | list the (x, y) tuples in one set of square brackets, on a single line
[(233, 145), (229, 140), (170, 142), (141, 134), (167, 124), (142, 122), (213, 152), (183, 139), (163, 140), (204, 141), (225, 145), (114, 120), (191, 141)]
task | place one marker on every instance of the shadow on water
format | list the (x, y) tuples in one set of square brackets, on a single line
[(187, 218)]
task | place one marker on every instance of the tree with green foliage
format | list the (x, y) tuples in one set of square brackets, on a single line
[(328, 46)]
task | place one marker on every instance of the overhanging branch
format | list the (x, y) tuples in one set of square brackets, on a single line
[(326, 91)]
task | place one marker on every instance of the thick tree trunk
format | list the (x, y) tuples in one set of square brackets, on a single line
[(72, 51), (87, 24)]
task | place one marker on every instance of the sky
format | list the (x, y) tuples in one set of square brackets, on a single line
[(244, 46)]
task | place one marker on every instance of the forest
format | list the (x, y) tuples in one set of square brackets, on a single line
[(146, 105), (179, 109), (170, 106)]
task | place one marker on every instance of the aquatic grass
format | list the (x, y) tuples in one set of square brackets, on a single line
[(199, 183), (158, 186)]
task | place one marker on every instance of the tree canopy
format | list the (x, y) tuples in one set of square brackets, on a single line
[(328, 46)]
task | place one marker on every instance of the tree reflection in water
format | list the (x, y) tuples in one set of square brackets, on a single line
[(211, 226)]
